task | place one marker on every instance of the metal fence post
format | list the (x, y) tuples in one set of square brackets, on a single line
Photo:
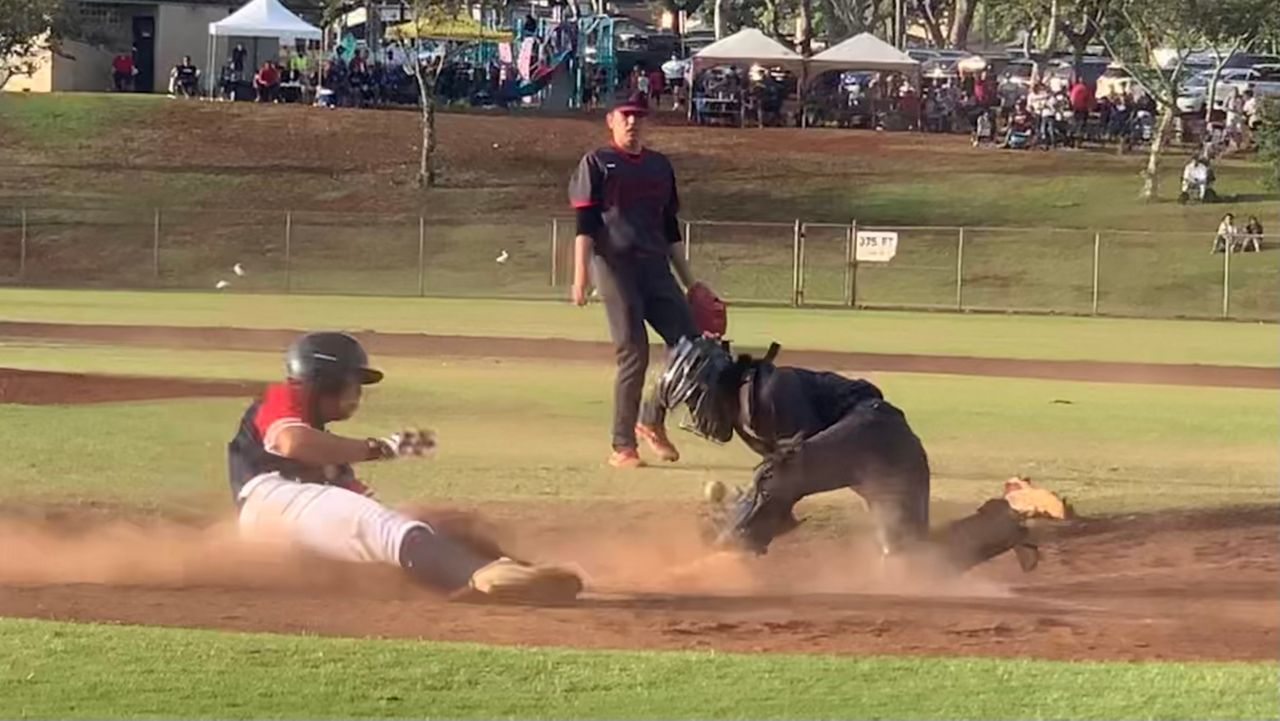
[(1226, 280), (960, 270), (422, 256), (851, 265), (22, 244), (555, 252), (688, 240), (795, 264), (155, 245), (288, 251), (1097, 246)]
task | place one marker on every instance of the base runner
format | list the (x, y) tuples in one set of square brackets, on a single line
[(819, 432), (293, 480)]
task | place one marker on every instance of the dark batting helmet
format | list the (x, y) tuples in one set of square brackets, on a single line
[(697, 375), (329, 360)]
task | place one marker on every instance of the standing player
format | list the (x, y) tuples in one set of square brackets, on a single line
[(628, 232), (293, 480), (820, 432)]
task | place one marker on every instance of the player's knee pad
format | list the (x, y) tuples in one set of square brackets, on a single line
[(438, 561), (994, 529)]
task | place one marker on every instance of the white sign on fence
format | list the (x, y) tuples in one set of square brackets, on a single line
[(876, 246)]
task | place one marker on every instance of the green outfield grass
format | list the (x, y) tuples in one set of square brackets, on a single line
[(995, 336), (538, 431), (58, 670)]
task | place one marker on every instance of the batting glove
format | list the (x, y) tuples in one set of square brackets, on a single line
[(410, 442)]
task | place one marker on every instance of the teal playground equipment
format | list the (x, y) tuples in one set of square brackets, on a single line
[(562, 62)]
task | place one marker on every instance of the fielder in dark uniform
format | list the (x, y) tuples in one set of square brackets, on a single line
[(817, 432), (293, 483), (628, 241)]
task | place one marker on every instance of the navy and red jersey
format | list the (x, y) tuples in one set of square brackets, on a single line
[(637, 198), (253, 451)]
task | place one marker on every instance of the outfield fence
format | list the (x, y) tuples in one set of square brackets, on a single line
[(1030, 270)]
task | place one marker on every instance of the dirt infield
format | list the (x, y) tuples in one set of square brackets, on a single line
[(38, 388), (1162, 587), (412, 344)]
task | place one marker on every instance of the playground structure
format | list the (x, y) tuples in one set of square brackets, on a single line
[(563, 62)]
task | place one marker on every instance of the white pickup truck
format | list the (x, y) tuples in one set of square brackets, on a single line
[(1263, 80)]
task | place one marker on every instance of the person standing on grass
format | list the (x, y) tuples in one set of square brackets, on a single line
[(628, 241)]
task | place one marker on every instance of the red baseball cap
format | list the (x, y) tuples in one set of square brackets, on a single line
[(635, 104)]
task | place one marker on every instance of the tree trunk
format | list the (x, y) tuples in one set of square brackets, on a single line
[(1151, 174), (719, 18), (962, 22), (931, 23), (427, 171), (1051, 34), (804, 28)]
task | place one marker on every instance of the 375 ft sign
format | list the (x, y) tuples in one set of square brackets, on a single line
[(876, 246)]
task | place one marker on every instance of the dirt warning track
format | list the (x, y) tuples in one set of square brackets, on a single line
[(414, 344)]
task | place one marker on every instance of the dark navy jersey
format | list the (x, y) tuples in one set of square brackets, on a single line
[(782, 403), (637, 198), (252, 452)]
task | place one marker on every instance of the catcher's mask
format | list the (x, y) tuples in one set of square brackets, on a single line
[(328, 361), (698, 376)]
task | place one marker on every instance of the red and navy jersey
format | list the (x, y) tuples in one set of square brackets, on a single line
[(253, 451), (637, 198)]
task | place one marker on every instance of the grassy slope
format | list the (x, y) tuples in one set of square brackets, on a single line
[(538, 432), (76, 671), (505, 177), (885, 332)]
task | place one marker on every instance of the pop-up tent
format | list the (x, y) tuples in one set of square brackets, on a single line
[(747, 47), (258, 19), (455, 29), (863, 52)]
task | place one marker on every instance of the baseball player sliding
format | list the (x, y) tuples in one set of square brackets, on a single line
[(628, 240), (818, 432), (293, 480)]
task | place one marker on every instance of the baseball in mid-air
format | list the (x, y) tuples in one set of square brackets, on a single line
[(502, 257), (238, 270), (714, 491), (222, 284)]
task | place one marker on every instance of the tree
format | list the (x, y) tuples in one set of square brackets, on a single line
[(1142, 27), (1268, 139), (1226, 28), (678, 8), (28, 28), (427, 68)]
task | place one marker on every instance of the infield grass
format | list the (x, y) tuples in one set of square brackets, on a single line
[(990, 336), (538, 431), (58, 670)]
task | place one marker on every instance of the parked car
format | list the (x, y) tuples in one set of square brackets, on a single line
[(1115, 80), (1263, 80)]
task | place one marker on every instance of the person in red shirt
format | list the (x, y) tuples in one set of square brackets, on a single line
[(294, 484), (122, 72), (1081, 105), (266, 83), (657, 86)]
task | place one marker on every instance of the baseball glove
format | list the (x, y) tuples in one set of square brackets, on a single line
[(709, 312), (1034, 502)]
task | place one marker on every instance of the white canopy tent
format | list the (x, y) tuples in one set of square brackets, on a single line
[(259, 19), (863, 52), (747, 47)]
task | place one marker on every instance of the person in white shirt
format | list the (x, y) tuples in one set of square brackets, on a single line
[(1226, 236)]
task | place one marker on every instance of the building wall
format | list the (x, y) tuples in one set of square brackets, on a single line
[(39, 82), (184, 30), (87, 68)]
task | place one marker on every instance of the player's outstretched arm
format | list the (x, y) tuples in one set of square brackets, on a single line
[(314, 446)]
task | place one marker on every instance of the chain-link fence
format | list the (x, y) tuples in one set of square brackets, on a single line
[(1041, 270)]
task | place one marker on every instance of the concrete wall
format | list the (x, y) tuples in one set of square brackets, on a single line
[(76, 67), (39, 82), (184, 30), (87, 68)]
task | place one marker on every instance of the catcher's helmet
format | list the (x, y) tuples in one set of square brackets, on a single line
[(697, 376), (329, 359)]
